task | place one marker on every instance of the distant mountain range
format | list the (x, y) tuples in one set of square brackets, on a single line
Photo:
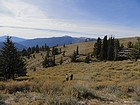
[(14, 39), (18, 46), (21, 43)]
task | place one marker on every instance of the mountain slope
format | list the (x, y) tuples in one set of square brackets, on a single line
[(14, 39), (17, 45), (54, 41)]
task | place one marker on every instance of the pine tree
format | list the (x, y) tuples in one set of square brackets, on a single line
[(73, 57), (116, 48), (1, 67), (121, 46), (129, 44), (110, 49), (33, 49), (11, 60), (135, 54), (54, 51), (53, 61), (24, 52), (37, 49), (29, 51), (64, 45), (97, 48), (45, 63), (46, 47), (104, 49), (87, 59), (61, 61), (77, 50)]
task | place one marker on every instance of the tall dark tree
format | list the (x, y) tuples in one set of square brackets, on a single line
[(33, 49), (64, 45), (53, 61), (45, 63), (73, 57), (135, 54), (97, 48), (37, 49), (11, 61), (110, 49), (77, 50), (49, 61), (121, 46), (129, 44), (87, 59), (24, 52), (61, 61), (104, 48), (116, 48), (29, 50), (46, 47), (54, 51)]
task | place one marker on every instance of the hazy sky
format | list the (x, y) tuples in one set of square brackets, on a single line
[(86, 18)]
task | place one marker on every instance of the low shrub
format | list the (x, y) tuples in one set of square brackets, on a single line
[(83, 92), (61, 100), (13, 87)]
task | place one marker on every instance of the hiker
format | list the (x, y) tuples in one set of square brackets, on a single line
[(71, 76), (67, 77)]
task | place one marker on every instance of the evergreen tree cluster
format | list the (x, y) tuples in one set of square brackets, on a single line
[(135, 54), (12, 64), (106, 49), (50, 57), (34, 49), (74, 55), (49, 61)]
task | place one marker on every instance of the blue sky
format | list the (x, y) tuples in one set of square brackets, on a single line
[(79, 18)]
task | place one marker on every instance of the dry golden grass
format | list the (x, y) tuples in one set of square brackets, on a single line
[(97, 79), (110, 80), (84, 48), (126, 40)]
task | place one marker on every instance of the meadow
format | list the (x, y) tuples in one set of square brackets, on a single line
[(95, 83)]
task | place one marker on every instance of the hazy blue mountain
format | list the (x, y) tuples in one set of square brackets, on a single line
[(14, 39), (17, 45), (54, 41)]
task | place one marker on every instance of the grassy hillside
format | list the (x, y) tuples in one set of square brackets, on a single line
[(84, 48), (96, 83), (126, 40)]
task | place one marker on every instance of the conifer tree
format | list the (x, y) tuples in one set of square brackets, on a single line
[(29, 50), (33, 49), (45, 63), (11, 61), (61, 61), (121, 46), (64, 45), (116, 48), (77, 50), (54, 51), (73, 57), (46, 47), (97, 48), (87, 59), (129, 44), (104, 49), (53, 61), (37, 49), (135, 54), (110, 48), (24, 52)]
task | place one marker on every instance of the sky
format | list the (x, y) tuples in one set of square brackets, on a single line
[(77, 18)]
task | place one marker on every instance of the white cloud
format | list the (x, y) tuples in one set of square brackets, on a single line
[(29, 18), (22, 9)]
